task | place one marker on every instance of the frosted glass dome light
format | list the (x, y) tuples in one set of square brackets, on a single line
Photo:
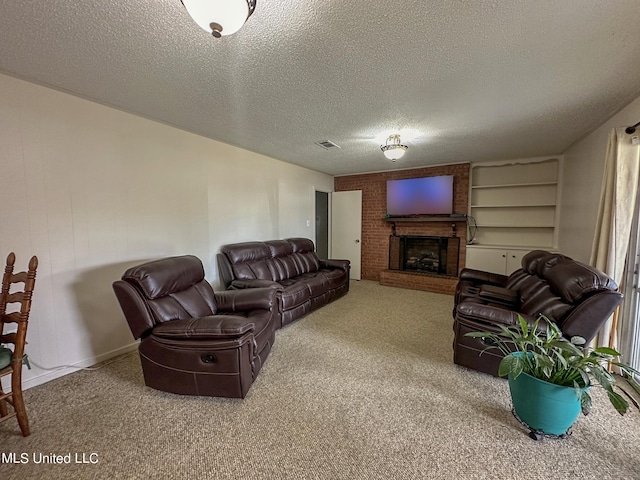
[(220, 17), (393, 149)]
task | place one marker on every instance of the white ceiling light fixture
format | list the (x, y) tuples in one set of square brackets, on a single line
[(220, 17), (393, 149)]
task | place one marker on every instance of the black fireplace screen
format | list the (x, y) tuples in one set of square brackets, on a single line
[(431, 255)]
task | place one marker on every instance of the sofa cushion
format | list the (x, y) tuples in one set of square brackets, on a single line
[(529, 286), (160, 277), (549, 262), (306, 262), (280, 265), (196, 301), (514, 279), (316, 282), (531, 260), (295, 293), (335, 277), (546, 302), (301, 245), (286, 267), (279, 248), (174, 287), (249, 260), (246, 252), (304, 255), (574, 281)]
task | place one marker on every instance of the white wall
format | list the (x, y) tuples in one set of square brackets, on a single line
[(582, 180), (92, 190)]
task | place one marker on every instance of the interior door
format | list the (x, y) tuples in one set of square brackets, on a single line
[(346, 228)]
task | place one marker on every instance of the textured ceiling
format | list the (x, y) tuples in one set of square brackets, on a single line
[(466, 80)]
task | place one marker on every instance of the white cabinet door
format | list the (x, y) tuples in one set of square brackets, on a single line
[(514, 260), (495, 260), (487, 259)]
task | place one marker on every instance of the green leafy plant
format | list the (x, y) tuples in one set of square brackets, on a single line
[(546, 355)]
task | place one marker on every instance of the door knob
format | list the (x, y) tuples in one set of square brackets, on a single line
[(357, 241)]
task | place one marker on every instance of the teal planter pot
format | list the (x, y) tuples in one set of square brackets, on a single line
[(543, 406)]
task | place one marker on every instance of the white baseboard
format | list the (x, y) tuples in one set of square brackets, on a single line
[(47, 376)]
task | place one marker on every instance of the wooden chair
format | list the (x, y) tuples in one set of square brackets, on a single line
[(17, 339)]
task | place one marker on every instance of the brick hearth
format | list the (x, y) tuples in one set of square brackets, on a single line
[(418, 281)]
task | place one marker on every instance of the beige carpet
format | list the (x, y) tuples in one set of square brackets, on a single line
[(364, 388)]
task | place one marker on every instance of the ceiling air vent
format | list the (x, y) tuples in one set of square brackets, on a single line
[(327, 144)]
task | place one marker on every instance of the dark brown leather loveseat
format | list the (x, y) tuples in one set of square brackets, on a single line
[(304, 282), (575, 296), (194, 341)]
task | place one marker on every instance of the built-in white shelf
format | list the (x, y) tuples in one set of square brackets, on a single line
[(427, 218), (519, 185), (515, 204)]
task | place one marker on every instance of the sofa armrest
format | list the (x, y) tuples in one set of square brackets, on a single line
[(225, 269), (204, 328), (333, 263), (135, 309), (489, 314), (592, 313), (255, 283), (499, 295), (479, 276), (246, 299)]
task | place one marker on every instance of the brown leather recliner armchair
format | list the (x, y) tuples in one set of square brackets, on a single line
[(471, 280), (576, 297), (194, 341)]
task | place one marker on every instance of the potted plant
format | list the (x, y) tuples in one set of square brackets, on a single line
[(550, 376)]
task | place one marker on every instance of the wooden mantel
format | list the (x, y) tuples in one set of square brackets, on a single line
[(425, 218), (428, 218)]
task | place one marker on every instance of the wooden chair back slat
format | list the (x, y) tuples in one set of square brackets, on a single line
[(15, 317), (16, 339), (20, 277), (15, 297), (8, 338)]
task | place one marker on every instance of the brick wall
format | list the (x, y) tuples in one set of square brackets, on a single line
[(376, 231)]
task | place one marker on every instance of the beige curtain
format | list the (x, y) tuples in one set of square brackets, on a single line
[(615, 216)]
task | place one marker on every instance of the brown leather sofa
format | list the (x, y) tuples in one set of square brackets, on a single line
[(194, 341), (303, 281), (575, 296)]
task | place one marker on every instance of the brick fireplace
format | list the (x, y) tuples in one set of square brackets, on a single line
[(377, 230)]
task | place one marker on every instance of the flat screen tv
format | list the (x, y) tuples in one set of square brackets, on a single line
[(420, 196)]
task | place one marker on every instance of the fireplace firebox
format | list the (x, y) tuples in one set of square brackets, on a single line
[(427, 255)]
